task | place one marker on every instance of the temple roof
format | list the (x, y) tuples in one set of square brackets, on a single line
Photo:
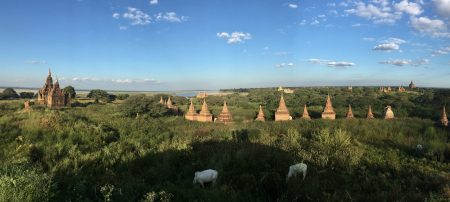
[(282, 106), (328, 105)]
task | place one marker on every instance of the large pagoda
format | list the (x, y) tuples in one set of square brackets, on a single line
[(205, 115), (282, 113), (225, 115), (328, 111)]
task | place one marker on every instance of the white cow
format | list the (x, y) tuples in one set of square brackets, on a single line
[(296, 169), (205, 177)]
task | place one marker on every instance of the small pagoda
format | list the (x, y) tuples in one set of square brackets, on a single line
[(260, 116), (444, 119), (369, 113), (225, 115), (205, 115), (388, 113), (161, 101), (305, 114), (412, 85), (191, 115), (282, 113), (170, 105), (328, 111), (350, 113)]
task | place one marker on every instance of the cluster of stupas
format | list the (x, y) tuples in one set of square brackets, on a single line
[(206, 116), (168, 103)]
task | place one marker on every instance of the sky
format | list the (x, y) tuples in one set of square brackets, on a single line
[(153, 45)]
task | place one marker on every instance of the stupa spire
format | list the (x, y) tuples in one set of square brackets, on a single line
[(350, 112), (388, 113), (282, 113), (191, 114), (169, 103), (260, 116), (305, 113), (204, 115), (369, 113), (225, 115), (161, 101), (444, 119), (328, 111)]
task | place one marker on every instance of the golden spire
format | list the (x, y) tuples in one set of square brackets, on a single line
[(305, 113), (205, 110), (161, 101), (169, 103), (444, 119), (225, 107), (369, 113), (282, 106), (328, 105), (282, 113), (350, 112)]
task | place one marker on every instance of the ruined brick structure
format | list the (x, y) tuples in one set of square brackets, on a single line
[(282, 113), (225, 115), (51, 94), (305, 114), (388, 113), (328, 111), (260, 116)]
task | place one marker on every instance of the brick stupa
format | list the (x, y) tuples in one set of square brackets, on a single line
[(161, 101), (444, 119), (388, 113), (305, 114), (282, 113), (204, 115), (350, 112), (225, 115), (369, 113), (191, 114), (170, 105), (260, 116), (328, 111)]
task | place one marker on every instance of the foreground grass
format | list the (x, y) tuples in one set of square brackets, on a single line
[(94, 153)]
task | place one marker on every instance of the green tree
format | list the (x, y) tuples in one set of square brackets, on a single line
[(10, 93), (26, 95), (101, 95), (141, 104), (71, 91), (122, 96)]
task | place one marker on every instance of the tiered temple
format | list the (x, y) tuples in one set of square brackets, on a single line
[(225, 115), (369, 113), (444, 119), (350, 112), (282, 113), (305, 114), (205, 115), (260, 116), (191, 114), (328, 111), (412, 85), (388, 113), (52, 95)]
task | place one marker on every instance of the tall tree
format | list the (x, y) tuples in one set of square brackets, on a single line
[(10, 93), (71, 91)]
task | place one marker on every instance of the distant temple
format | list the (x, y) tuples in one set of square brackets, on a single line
[(260, 116), (51, 95), (285, 90), (350, 112), (225, 115), (328, 111), (444, 119), (202, 95), (168, 103), (401, 89), (205, 115), (412, 85), (282, 113), (369, 113), (388, 113), (305, 114)]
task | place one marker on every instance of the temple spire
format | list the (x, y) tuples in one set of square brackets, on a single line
[(305, 113), (225, 115), (350, 112), (260, 116), (369, 113), (282, 113), (328, 111), (444, 119), (161, 101), (191, 114), (388, 113), (205, 115)]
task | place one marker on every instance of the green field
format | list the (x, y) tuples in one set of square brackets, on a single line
[(103, 152)]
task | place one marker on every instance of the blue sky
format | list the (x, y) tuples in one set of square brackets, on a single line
[(212, 44)]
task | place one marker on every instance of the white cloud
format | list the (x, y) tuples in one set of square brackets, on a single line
[(170, 17), (427, 26), (36, 62), (441, 51), (153, 2), (409, 7), (380, 12), (394, 40), (136, 16), (116, 15), (123, 28), (281, 53), (332, 64), (368, 39), (293, 6), (315, 22), (303, 22), (404, 62), (340, 65), (289, 64), (235, 37), (356, 25), (442, 7), (386, 47), (119, 81)]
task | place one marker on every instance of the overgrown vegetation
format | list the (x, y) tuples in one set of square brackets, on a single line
[(104, 152)]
